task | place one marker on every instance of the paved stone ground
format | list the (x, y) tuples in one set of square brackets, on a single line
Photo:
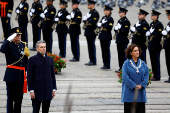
[(93, 90)]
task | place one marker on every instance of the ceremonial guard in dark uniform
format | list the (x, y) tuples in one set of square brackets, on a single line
[(22, 18), (105, 36), (75, 30), (6, 7), (16, 53), (46, 24), (122, 30), (139, 30), (90, 24), (35, 12), (166, 44), (154, 35), (62, 28)]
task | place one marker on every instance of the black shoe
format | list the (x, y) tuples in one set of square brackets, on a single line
[(62, 56), (73, 60), (167, 81), (33, 49), (90, 63), (118, 71), (104, 67), (154, 79)]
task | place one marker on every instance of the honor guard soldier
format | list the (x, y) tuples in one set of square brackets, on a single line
[(166, 44), (17, 54), (75, 30), (46, 24), (105, 36), (22, 18), (35, 12), (6, 7), (62, 28), (139, 30), (154, 36), (90, 24), (121, 33)]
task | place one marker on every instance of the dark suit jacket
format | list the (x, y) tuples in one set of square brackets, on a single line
[(41, 76)]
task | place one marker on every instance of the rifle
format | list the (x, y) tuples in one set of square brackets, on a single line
[(114, 37)]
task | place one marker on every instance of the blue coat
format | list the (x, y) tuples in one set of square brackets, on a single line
[(41, 76), (131, 79)]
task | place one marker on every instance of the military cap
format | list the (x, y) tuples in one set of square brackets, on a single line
[(107, 7), (75, 2), (167, 12), (91, 2), (143, 12), (16, 30), (63, 2), (121, 10), (155, 12)]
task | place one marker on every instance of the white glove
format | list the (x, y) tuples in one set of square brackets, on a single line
[(84, 18), (42, 15), (104, 21), (68, 17), (88, 15), (17, 11), (56, 19), (133, 29), (116, 28), (137, 24), (21, 6), (99, 24), (119, 26), (8, 15), (148, 33), (30, 13), (45, 11), (10, 38), (151, 30), (168, 28), (164, 32), (32, 10), (59, 14), (72, 15)]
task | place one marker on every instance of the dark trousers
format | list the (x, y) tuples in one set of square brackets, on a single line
[(24, 35), (91, 48), (105, 47), (62, 43), (45, 105), (14, 97), (143, 55), (47, 37), (167, 56), (140, 107), (36, 34), (6, 26), (75, 47), (121, 53), (155, 62)]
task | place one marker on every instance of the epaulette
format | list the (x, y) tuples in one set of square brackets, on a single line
[(24, 42)]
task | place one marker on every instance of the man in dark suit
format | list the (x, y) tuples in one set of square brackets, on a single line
[(41, 79), (17, 54)]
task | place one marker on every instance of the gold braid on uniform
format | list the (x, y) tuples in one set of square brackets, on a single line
[(26, 50)]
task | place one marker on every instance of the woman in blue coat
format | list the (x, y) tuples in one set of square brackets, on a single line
[(135, 74)]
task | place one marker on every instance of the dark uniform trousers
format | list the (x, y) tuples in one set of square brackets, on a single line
[(121, 53), (24, 35), (105, 47), (140, 107), (75, 47), (62, 43), (6, 26), (91, 48), (47, 37), (37, 103), (143, 55), (167, 56), (36, 34)]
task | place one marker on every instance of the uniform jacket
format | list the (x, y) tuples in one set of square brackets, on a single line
[(74, 29), (122, 36), (155, 45), (62, 28), (47, 24), (23, 18), (106, 35), (36, 15), (131, 79), (8, 8), (166, 44), (91, 23), (41, 76), (13, 52)]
